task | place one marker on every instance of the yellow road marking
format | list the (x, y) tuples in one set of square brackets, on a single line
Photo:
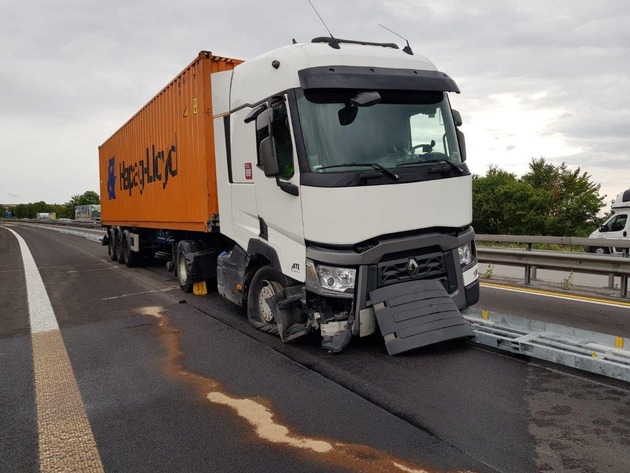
[(66, 441), (559, 295)]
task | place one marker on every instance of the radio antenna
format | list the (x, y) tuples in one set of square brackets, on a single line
[(333, 43), (407, 48)]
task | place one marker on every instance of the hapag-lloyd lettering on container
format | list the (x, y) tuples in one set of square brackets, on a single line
[(156, 167)]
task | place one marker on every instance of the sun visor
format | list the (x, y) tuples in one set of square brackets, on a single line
[(352, 77)]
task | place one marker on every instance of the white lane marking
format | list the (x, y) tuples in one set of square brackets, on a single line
[(559, 296), (40, 310), (139, 293), (89, 270)]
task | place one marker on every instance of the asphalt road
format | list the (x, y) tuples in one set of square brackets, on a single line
[(173, 382)]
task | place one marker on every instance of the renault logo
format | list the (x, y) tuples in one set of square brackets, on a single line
[(412, 267)]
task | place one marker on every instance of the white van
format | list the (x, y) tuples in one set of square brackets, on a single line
[(616, 226)]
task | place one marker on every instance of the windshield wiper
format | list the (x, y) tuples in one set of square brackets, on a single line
[(376, 166), (424, 161)]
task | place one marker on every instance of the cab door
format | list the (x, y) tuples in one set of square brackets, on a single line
[(276, 178), (615, 227)]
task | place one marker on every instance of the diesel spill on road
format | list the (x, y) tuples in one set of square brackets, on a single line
[(263, 420)]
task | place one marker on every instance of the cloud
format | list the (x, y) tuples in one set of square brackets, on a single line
[(538, 78)]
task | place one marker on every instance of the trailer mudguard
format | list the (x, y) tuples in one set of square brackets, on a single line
[(415, 314)]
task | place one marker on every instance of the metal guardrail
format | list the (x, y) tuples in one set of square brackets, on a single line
[(589, 351), (550, 240), (59, 223), (558, 260)]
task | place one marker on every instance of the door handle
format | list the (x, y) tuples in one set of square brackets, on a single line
[(289, 188)]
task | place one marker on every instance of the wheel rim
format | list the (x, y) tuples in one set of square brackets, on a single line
[(600, 251), (182, 270), (267, 290)]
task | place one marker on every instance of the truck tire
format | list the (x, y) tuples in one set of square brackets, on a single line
[(181, 265), (132, 258), (111, 245), (120, 246), (598, 250), (265, 283)]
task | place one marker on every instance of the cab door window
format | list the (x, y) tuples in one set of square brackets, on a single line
[(280, 131), (616, 224)]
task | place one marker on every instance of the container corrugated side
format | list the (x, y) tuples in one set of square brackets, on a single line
[(158, 170)]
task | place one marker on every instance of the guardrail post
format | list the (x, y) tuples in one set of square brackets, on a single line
[(624, 277), (528, 272), (611, 281)]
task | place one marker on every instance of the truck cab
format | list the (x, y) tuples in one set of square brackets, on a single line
[(343, 184)]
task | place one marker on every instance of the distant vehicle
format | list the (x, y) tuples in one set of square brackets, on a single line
[(46, 216), (65, 220), (616, 226), (87, 213)]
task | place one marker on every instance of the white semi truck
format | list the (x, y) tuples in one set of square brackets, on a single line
[(330, 191)]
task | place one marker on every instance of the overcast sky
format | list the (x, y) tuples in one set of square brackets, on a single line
[(538, 78)]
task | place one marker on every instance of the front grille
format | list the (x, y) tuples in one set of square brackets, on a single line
[(431, 266)]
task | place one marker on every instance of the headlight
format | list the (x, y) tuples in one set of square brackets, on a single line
[(467, 254), (330, 280)]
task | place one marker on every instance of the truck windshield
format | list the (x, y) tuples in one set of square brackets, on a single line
[(402, 129)]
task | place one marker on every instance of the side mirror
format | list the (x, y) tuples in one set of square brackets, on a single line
[(457, 118), (264, 119), (462, 143), (268, 157)]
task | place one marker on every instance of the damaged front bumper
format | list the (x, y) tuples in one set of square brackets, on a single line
[(412, 288)]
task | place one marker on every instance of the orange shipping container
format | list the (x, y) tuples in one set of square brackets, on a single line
[(158, 170)]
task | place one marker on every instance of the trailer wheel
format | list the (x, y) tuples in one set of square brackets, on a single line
[(265, 283), (111, 245), (120, 246), (132, 258), (181, 265)]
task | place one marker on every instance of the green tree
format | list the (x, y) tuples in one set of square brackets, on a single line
[(574, 198), (60, 210), (87, 198), (548, 200), (502, 204)]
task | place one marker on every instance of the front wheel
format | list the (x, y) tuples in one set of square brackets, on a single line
[(598, 250), (266, 283), (182, 268)]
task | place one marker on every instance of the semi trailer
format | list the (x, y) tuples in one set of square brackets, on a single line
[(322, 186), (87, 213)]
